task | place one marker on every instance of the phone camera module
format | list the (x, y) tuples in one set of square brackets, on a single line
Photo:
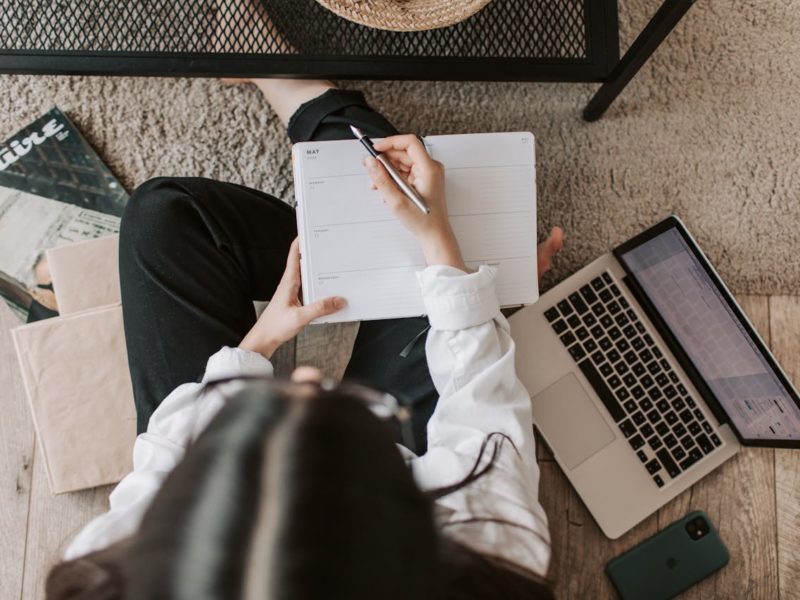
[(697, 528)]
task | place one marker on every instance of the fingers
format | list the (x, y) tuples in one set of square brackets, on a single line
[(401, 164), (399, 159), (408, 143), (388, 189), (320, 308), (306, 374)]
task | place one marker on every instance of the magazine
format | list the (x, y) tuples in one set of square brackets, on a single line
[(51, 158), (54, 190)]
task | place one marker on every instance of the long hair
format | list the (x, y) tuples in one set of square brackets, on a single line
[(291, 496)]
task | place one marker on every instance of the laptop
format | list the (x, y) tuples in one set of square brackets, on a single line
[(645, 376)]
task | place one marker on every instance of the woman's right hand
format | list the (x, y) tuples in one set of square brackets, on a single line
[(433, 231)]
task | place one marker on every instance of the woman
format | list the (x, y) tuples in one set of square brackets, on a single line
[(246, 487)]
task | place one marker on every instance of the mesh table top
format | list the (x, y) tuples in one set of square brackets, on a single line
[(303, 38)]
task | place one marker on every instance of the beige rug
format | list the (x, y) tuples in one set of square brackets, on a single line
[(709, 130)]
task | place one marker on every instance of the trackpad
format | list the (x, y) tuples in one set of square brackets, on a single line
[(570, 421)]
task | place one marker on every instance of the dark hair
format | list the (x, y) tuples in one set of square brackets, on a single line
[(291, 497)]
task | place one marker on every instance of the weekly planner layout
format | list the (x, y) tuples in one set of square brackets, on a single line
[(353, 246)]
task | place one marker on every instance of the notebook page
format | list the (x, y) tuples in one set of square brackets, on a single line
[(354, 247), (490, 187)]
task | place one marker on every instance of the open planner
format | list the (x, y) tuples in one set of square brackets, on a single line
[(353, 246)]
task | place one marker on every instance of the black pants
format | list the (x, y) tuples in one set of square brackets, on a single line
[(195, 253)]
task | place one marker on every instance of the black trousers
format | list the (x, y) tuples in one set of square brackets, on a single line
[(195, 253)]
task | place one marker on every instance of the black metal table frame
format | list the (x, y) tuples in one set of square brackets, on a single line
[(603, 63)]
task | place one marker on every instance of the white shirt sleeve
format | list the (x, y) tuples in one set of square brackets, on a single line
[(175, 423), (470, 355)]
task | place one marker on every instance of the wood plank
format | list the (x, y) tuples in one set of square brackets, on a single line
[(577, 540), (739, 499), (785, 326), (16, 455), (591, 550), (283, 359), (53, 522), (543, 451), (327, 347), (554, 494), (787, 504)]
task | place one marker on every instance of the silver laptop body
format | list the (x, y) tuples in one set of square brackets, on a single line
[(645, 376)]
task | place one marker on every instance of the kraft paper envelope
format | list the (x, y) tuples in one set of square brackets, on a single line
[(86, 274), (75, 370)]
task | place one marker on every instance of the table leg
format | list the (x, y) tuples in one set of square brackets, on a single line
[(663, 22)]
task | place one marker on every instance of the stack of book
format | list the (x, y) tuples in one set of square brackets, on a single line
[(60, 209)]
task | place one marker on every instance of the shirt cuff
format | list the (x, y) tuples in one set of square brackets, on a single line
[(236, 362), (457, 300)]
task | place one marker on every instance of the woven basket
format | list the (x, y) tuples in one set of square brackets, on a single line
[(405, 15)]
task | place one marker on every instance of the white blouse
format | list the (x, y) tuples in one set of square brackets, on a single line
[(470, 355)]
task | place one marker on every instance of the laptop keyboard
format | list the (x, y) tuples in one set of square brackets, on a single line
[(633, 379)]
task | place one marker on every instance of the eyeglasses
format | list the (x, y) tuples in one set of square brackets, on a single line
[(382, 404)]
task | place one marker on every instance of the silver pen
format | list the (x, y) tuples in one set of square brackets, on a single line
[(404, 186)]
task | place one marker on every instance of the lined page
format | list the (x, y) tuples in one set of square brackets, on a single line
[(354, 247)]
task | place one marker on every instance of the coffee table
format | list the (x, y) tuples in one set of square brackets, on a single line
[(509, 40)]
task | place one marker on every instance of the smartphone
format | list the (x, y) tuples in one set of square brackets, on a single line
[(669, 562)]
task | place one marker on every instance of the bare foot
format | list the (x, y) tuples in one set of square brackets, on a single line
[(235, 80), (248, 20), (548, 249)]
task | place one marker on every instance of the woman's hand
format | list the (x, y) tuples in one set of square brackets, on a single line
[(412, 161), (433, 231), (285, 316)]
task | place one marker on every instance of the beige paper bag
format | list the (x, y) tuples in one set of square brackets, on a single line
[(75, 370), (86, 274)]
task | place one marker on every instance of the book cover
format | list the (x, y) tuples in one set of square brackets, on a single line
[(54, 190), (51, 158)]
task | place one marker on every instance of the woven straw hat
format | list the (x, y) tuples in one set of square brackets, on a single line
[(405, 15)]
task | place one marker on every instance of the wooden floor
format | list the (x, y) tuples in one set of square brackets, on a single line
[(753, 499)]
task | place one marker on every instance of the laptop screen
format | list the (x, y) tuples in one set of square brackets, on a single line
[(757, 402)]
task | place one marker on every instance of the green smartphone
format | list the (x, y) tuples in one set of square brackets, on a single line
[(669, 562)]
